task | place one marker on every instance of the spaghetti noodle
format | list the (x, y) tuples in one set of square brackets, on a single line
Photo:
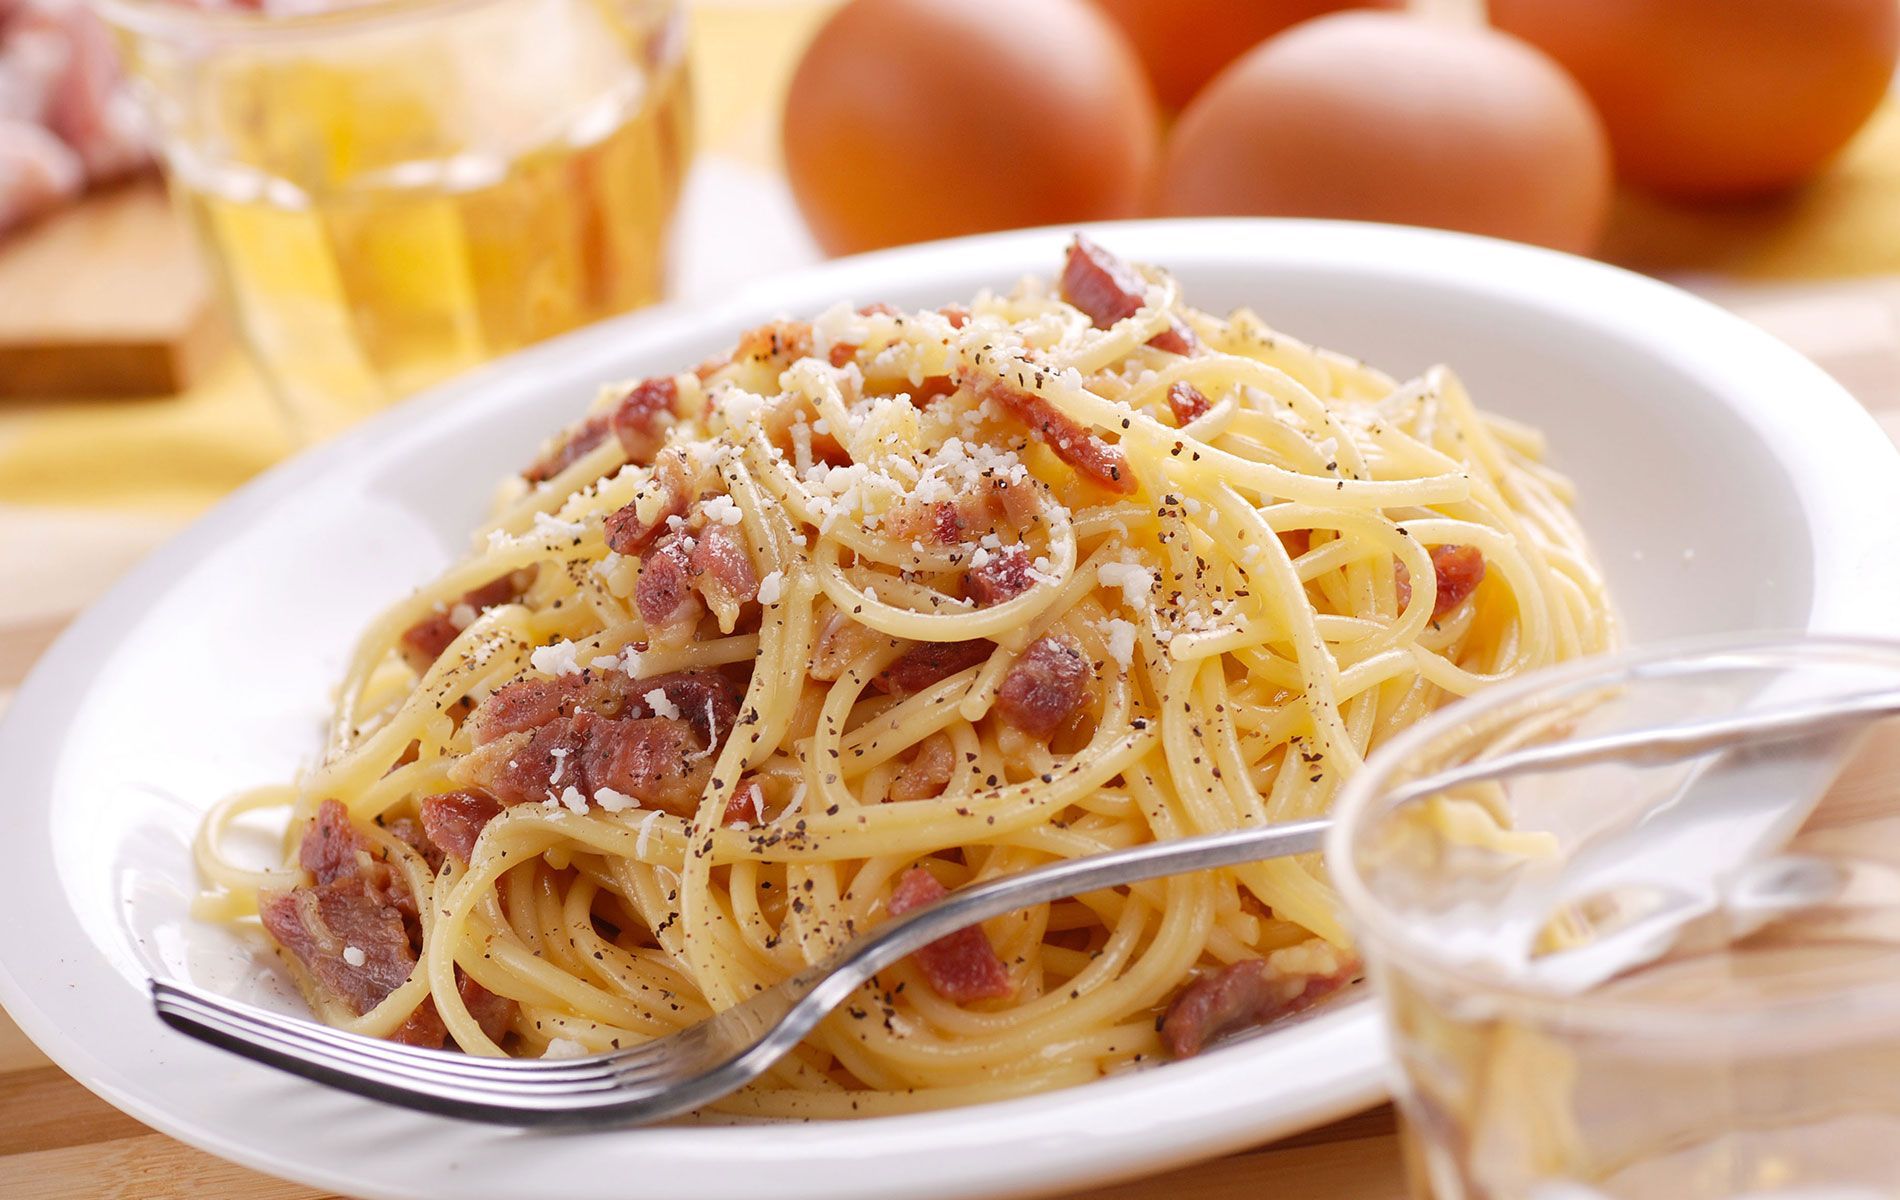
[(758, 654)]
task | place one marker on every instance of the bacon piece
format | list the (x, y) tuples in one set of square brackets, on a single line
[(422, 1028), (422, 643), (643, 416), (928, 772), (1299, 541), (1187, 402), (842, 353), (626, 533), (956, 314), (960, 966), (840, 642), (329, 848), (1459, 569), (333, 851), (656, 760), (929, 663), (1249, 992), (410, 831), (1045, 687), (573, 446), (664, 595), (324, 927), (746, 808), (1097, 460), (706, 700), (1108, 290), (723, 566), (531, 703), (1003, 576), (659, 761), (495, 1014), (999, 506), (453, 820)]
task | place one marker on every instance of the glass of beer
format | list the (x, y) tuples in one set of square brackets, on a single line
[(392, 191), (1670, 972)]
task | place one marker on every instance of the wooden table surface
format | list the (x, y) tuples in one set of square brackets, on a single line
[(59, 1142)]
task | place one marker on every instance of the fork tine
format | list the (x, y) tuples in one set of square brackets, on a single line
[(453, 1062), (511, 1105), (373, 1056)]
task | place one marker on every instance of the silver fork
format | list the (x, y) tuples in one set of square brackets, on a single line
[(695, 1066)]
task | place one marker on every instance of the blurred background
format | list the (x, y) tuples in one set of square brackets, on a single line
[(231, 227)]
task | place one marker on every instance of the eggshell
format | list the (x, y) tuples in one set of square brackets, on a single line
[(916, 119), (1389, 117), (1720, 97)]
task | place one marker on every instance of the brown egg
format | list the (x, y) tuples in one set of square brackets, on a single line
[(1719, 97), (1386, 117), (1184, 43), (917, 119)]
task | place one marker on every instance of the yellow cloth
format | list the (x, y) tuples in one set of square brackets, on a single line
[(170, 457)]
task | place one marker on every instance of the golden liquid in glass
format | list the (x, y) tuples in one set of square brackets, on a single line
[(366, 287)]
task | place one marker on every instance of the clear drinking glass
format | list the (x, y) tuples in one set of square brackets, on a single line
[(1673, 979), (394, 190)]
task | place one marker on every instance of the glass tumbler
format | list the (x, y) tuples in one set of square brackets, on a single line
[(1670, 976), (392, 191)]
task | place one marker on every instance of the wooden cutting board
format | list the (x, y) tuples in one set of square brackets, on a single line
[(106, 298)]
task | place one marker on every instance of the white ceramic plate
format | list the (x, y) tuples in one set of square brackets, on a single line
[(1728, 484)]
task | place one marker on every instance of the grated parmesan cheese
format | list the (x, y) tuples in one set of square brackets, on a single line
[(646, 834), (723, 510), (1121, 641), (771, 587), (662, 706), (613, 801), (354, 956), (561, 658), (561, 1047), (1132, 578)]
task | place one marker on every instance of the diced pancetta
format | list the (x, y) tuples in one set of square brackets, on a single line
[(961, 966), (1004, 575), (453, 821), (928, 772), (642, 417), (1459, 569), (929, 663), (1249, 992), (573, 445), (1186, 402), (1109, 290), (1045, 687), (1096, 460)]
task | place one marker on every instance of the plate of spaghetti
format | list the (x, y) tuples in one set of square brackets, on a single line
[(587, 696)]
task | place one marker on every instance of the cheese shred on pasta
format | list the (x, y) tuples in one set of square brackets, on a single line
[(970, 590)]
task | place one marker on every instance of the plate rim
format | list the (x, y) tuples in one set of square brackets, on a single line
[(95, 635)]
